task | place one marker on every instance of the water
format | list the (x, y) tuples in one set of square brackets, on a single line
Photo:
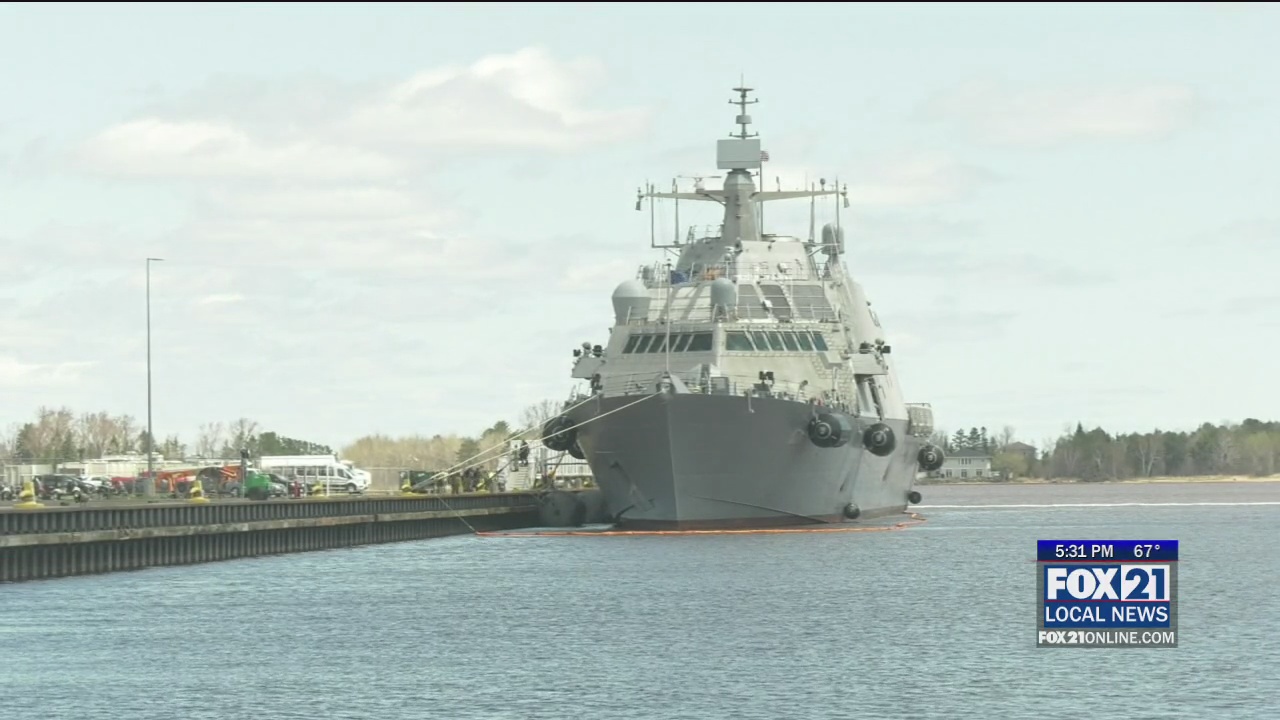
[(935, 621)]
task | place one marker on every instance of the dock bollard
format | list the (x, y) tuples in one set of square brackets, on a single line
[(197, 493), (28, 497)]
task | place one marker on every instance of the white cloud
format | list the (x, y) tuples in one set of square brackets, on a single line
[(918, 180), (318, 253), (909, 180), (14, 373), (525, 100), (220, 299), (326, 175), (154, 147), (1044, 117)]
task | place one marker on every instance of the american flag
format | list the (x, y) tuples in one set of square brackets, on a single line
[(764, 156)]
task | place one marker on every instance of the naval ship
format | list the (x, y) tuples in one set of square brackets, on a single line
[(746, 382)]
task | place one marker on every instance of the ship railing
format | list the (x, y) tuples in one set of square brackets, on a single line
[(660, 275), (780, 273), (664, 274), (704, 232), (646, 383)]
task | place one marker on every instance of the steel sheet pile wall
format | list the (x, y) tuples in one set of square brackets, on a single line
[(61, 541)]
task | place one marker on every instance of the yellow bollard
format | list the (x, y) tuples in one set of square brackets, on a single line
[(197, 493), (28, 497)]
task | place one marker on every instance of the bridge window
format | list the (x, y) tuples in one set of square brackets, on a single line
[(701, 342), (761, 342), (680, 342), (775, 342), (805, 343), (737, 342), (790, 340), (819, 343)]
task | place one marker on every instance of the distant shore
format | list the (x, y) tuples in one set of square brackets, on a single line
[(1126, 481)]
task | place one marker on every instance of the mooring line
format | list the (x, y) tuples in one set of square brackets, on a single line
[(588, 421)]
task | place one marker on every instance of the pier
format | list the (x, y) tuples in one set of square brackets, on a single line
[(53, 541)]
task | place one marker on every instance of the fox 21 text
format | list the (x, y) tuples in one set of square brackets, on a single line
[(1109, 638)]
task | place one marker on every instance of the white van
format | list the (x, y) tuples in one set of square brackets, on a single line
[(331, 473)]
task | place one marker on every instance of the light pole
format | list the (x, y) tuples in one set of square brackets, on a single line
[(150, 438)]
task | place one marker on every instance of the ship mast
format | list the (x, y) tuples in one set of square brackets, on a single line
[(740, 154)]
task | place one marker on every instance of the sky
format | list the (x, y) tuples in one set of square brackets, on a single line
[(383, 218)]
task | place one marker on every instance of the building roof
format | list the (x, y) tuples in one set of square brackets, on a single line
[(969, 453)]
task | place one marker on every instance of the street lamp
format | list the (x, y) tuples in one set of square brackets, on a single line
[(150, 438)]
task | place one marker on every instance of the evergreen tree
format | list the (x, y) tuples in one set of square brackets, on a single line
[(469, 449)]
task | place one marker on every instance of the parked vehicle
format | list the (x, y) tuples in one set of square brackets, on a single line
[(56, 487), (331, 473)]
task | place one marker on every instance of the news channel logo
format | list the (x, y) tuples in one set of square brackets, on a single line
[(1107, 593)]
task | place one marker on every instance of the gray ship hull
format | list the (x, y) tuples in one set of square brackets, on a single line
[(695, 461)]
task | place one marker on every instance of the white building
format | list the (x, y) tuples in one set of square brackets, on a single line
[(966, 465)]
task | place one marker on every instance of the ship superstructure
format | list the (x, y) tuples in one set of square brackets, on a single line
[(746, 380)]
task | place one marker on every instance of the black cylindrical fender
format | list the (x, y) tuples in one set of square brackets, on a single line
[(879, 439), (559, 434), (930, 458), (829, 430)]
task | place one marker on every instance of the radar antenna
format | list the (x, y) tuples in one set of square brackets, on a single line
[(698, 186), (743, 119)]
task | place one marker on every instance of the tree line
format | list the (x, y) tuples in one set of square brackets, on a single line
[(59, 435), (441, 452), (1251, 447)]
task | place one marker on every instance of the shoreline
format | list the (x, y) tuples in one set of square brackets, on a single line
[(1162, 480)]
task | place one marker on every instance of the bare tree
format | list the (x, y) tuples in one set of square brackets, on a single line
[(1118, 458), (1260, 450), (1229, 454), (95, 431), (127, 429), (939, 438), (52, 436), (1148, 449), (240, 434), (1005, 439), (209, 441), (1066, 459), (539, 413), (413, 452), (9, 440)]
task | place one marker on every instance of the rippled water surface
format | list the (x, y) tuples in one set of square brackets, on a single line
[(935, 621)]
